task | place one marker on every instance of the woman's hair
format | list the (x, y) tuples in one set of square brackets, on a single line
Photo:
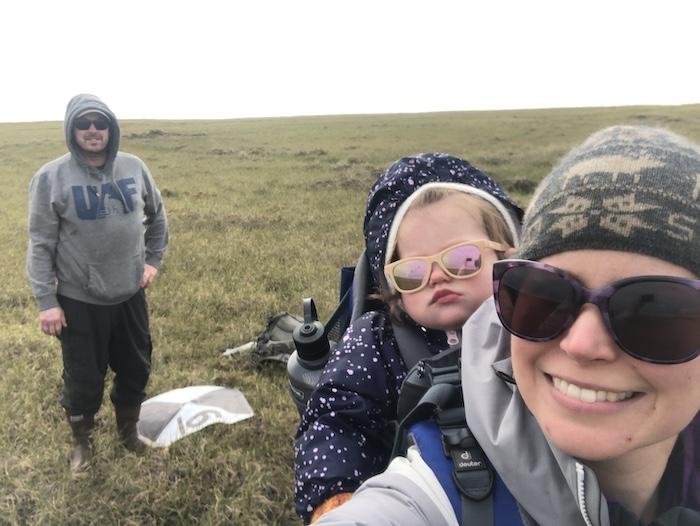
[(491, 219)]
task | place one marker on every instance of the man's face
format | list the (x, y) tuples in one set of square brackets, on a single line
[(91, 132)]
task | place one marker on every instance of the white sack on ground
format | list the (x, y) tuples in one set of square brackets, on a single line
[(175, 414)]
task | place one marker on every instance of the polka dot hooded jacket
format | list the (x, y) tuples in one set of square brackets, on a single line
[(346, 431)]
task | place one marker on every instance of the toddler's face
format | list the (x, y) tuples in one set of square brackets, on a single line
[(445, 303)]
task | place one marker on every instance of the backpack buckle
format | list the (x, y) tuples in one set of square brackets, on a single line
[(472, 473)]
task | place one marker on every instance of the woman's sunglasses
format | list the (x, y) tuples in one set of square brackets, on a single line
[(458, 261), (83, 124), (652, 318)]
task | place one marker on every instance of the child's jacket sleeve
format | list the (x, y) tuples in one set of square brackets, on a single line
[(346, 431)]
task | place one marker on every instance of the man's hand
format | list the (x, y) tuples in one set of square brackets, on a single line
[(149, 274), (52, 321)]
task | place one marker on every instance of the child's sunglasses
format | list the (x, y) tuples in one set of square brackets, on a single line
[(459, 261), (81, 123), (652, 318)]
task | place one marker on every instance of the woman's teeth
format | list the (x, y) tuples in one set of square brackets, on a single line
[(589, 395)]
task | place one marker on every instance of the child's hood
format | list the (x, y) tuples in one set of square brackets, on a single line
[(399, 185)]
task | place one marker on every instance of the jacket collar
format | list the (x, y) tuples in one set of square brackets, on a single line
[(550, 485)]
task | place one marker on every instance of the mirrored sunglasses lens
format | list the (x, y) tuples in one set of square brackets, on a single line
[(535, 303), (464, 260), (657, 320), (409, 275)]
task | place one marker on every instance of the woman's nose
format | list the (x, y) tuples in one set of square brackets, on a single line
[(588, 337)]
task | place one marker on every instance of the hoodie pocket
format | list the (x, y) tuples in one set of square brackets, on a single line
[(115, 279)]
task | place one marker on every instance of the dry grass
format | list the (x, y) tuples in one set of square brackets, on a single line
[(263, 212)]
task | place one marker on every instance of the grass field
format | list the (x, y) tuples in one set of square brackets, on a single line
[(262, 213)]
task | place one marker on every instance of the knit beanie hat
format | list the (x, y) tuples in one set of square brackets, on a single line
[(394, 191), (627, 188)]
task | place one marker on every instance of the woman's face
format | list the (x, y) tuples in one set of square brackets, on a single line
[(650, 403), (445, 303)]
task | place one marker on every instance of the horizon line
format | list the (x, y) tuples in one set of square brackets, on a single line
[(365, 114)]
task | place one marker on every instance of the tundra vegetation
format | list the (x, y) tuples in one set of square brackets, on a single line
[(263, 212)]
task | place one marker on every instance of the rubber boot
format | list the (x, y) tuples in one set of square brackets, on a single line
[(79, 458), (127, 417)]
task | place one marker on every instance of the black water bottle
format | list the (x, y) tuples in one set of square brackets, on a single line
[(306, 363)]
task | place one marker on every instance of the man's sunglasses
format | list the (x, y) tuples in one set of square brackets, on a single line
[(83, 124), (458, 261), (652, 318)]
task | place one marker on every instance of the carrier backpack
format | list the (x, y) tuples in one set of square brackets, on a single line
[(431, 415)]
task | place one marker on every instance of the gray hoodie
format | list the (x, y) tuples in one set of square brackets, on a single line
[(92, 229)]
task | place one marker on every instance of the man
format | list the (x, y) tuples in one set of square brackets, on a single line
[(97, 234)]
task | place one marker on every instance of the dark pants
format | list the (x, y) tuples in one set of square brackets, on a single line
[(98, 336)]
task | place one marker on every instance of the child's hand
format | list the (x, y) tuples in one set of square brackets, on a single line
[(329, 504)]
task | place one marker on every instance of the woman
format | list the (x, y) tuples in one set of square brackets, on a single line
[(601, 425)]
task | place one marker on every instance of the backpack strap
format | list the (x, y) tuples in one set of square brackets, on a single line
[(504, 510), (412, 345), (434, 398), (360, 287), (472, 474)]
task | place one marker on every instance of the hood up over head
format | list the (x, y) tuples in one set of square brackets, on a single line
[(79, 106)]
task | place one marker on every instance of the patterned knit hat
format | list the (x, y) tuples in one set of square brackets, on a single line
[(392, 194), (628, 188)]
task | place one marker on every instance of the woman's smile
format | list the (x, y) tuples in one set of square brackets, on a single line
[(576, 392)]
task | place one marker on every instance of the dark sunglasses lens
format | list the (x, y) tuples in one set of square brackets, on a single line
[(462, 261), (409, 275), (84, 124), (535, 303), (658, 321)]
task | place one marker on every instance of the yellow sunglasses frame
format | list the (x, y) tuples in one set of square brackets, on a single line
[(437, 258)]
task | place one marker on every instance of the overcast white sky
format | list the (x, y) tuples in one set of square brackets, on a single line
[(228, 59)]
